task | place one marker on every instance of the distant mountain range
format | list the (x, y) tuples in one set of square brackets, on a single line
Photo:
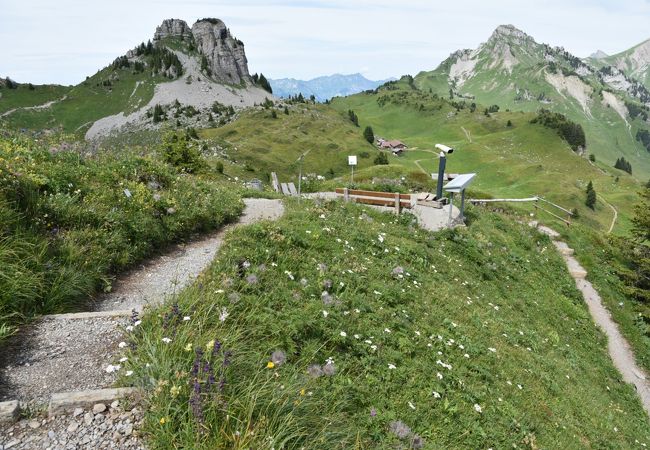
[(326, 87)]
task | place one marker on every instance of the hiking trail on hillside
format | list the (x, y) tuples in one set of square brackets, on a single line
[(77, 352), (618, 347)]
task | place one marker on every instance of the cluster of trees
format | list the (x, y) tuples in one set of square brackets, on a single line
[(353, 117), (179, 151), (570, 131), (223, 110), (643, 136), (636, 110), (158, 114), (160, 59), (262, 82), (590, 201), (623, 164)]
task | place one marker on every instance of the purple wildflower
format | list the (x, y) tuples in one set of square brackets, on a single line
[(216, 348), (251, 279), (397, 271), (226, 358), (327, 284), (134, 316), (373, 412)]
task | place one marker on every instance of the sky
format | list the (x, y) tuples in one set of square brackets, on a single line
[(63, 41)]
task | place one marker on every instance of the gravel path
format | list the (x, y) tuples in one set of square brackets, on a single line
[(59, 355), (67, 353), (102, 427), (619, 349), (172, 271)]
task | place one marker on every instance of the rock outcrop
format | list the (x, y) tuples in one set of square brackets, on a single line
[(225, 54), (172, 28), (226, 59)]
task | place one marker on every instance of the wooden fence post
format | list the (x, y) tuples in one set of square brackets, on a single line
[(346, 194), (397, 203)]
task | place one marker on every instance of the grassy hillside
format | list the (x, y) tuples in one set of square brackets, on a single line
[(24, 96), (520, 160), (68, 221), (470, 338), (274, 145), (108, 92)]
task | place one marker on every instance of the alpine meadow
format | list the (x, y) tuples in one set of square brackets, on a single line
[(199, 255)]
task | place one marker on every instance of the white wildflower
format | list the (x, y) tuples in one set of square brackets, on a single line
[(343, 334), (223, 315), (477, 408), (166, 340), (411, 405), (392, 366), (121, 344)]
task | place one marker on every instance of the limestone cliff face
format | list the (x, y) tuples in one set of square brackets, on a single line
[(172, 28), (225, 54)]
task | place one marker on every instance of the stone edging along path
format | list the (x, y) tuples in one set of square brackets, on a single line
[(619, 349), (62, 359)]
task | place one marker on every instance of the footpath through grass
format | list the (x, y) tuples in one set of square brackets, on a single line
[(69, 221), (341, 327)]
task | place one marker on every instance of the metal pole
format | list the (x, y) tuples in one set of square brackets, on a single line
[(462, 205), (352, 174), (300, 178), (451, 205), (441, 174)]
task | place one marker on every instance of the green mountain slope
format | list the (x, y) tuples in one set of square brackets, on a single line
[(513, 71), (519, 160), (634, 62), (268, 144)]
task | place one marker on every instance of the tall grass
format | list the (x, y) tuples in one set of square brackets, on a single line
[(69, 222)]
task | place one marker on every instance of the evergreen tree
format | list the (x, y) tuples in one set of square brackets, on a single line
[(590, 201), (353, 117), (623, 164), (509, 124), (286, 110), (158, 114), (274, 115), (264, 84), (369, 135)]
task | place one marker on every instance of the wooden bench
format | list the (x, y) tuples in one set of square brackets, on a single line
[(391, 199)]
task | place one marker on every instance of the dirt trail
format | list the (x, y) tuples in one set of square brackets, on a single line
[(619, 349), (615, 218), (71, 352), (467, 134), (36, 107)]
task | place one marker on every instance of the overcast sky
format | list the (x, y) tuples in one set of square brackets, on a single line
[(62, 41)]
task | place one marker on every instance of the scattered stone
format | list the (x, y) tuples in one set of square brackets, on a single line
[(73, 427), (9, 411), (99, 408), (33, 424), (115, 404), (77, 412), (88, 418)]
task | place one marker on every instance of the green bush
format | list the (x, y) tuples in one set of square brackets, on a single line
[(180, 152)]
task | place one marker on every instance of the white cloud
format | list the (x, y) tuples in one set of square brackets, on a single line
[(66, 40)]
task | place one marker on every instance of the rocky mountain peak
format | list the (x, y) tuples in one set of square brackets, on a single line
[(510, 33), (171, 28), (599, 54)]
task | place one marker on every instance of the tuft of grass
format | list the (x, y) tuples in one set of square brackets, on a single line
[(467, 338)]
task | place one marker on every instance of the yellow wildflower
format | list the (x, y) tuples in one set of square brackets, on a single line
[(270, 365), (302, 391), (175, 390), (188, 347), (210, 345), (163, 420)]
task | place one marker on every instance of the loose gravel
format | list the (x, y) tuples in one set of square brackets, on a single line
[(59, 355), (101, 427)]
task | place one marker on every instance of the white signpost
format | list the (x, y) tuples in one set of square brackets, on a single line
[(352, 161)]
